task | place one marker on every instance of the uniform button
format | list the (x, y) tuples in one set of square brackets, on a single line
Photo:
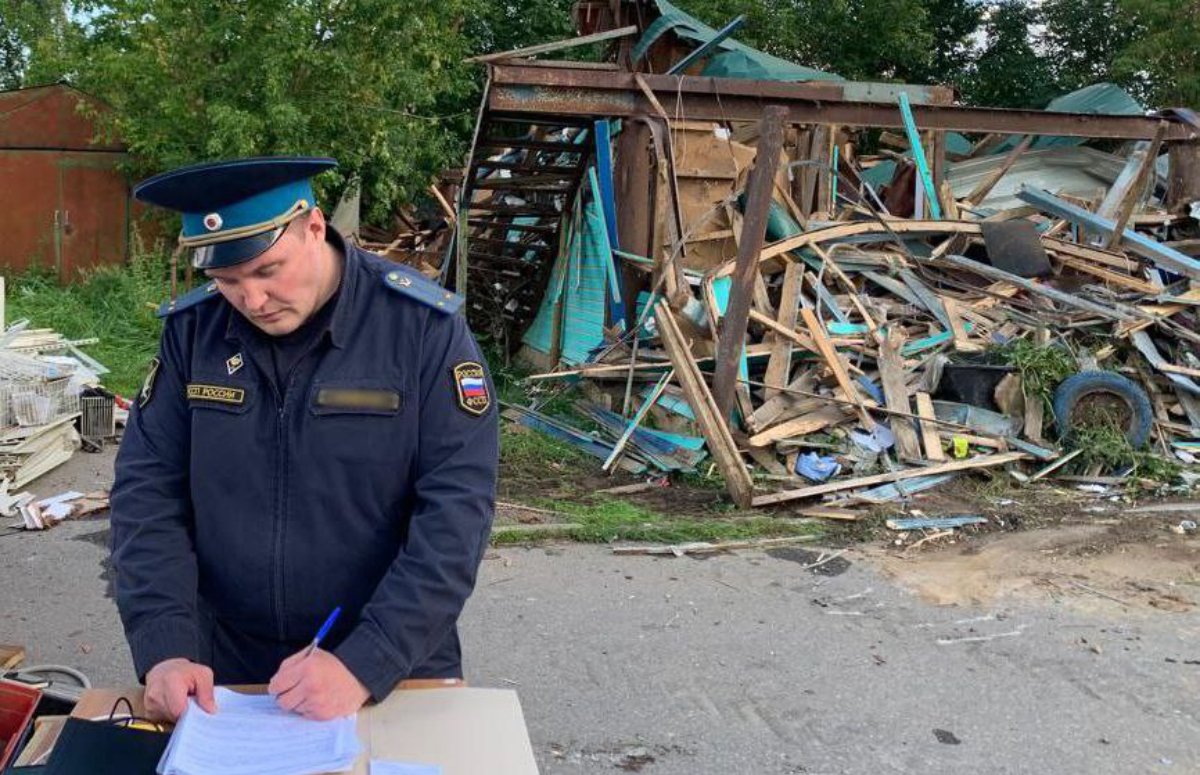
[(393, 276)]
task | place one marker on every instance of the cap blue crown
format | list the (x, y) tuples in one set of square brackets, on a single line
[(234, 210)]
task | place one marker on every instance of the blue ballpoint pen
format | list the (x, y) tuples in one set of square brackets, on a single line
[(321, 633)]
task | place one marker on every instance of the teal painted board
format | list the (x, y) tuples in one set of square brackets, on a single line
[(584, 270)]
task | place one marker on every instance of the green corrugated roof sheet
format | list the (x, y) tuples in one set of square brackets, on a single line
[(1099, 99), (735, 60)]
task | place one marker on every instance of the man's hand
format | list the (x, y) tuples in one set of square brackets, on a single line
[(317, 686), (170, 682)]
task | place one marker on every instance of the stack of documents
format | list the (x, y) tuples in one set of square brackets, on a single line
[(251, 735)]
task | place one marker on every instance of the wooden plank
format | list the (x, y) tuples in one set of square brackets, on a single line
[(11, 656), (834, 360), (895, 392), (790, 334), (802, 426), (777, 408), (847, 284), (754, 230), (1123, 202), (986, 461), (858, 228), (557, 45), (1109, 276), (1067, 299), (766, 458), (844, 515), (779, 365), (962, 341), (929, 432), (712, 425), (1108, 258)]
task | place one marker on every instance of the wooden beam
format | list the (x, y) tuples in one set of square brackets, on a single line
[(895, 392), (1144, 161), (986, 461), (834, 360), (754, 228), (803, 425), (712, 424), (984, 187), (779, 365), (557, 45), (929, 432)]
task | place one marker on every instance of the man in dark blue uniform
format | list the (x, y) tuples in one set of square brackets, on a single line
[(318, 430)]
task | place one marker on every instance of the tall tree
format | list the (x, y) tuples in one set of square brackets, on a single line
[(1009, 73), (953, 24), (860, 39), (1083, 38), (1163, 57), (360, 80), (31, 39)]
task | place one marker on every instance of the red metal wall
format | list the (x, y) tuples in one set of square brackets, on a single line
[(64, 202)]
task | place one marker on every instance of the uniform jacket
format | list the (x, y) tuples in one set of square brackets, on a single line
[(244, 511)]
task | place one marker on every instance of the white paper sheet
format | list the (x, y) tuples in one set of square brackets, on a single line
[(251, 735), (382, 767)]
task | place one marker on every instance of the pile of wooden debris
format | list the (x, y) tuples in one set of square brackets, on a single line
[(834, 289)]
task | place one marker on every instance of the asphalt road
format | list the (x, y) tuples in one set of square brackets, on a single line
[(745, 663)]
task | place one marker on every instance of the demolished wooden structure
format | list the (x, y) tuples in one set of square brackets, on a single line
[(723, 228)]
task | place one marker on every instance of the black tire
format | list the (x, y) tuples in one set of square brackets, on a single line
[(1087, 385)]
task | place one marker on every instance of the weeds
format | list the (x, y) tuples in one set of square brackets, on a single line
[(1104, 444), (1042, 367), (603, 520), (115, 304)]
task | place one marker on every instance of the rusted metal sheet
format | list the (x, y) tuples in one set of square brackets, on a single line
[(521, 90), (51, 117), (64, 211), (64, 197)]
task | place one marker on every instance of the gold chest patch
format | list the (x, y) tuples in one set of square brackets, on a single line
[(216, 393)]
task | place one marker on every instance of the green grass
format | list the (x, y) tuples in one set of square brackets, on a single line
[(110, 303), (603, 520), (527, 449)]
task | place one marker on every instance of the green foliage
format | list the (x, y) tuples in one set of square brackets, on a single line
[(903, 40), (493, 26), (1163, 53), (1009, 73), (32, 33), (114, 304), (1104, 443), (1042, 367), (1082, 39), (361, 80)]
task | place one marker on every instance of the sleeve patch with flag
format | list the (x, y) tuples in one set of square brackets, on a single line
[(471, 384)]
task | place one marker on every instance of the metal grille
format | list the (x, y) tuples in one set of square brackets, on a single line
[(98, 420), (34, 392)]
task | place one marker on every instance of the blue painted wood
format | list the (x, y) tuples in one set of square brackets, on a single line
[(918, 152), (708, 47), (934, 523), (604, 248), (1163, 256)]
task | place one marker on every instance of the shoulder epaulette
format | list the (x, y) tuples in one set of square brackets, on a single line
[(189, 299), (416, 287)]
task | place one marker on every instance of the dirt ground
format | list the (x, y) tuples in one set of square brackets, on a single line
[(1049, 542)]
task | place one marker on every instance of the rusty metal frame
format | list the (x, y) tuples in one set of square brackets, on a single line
[(516, 90)]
